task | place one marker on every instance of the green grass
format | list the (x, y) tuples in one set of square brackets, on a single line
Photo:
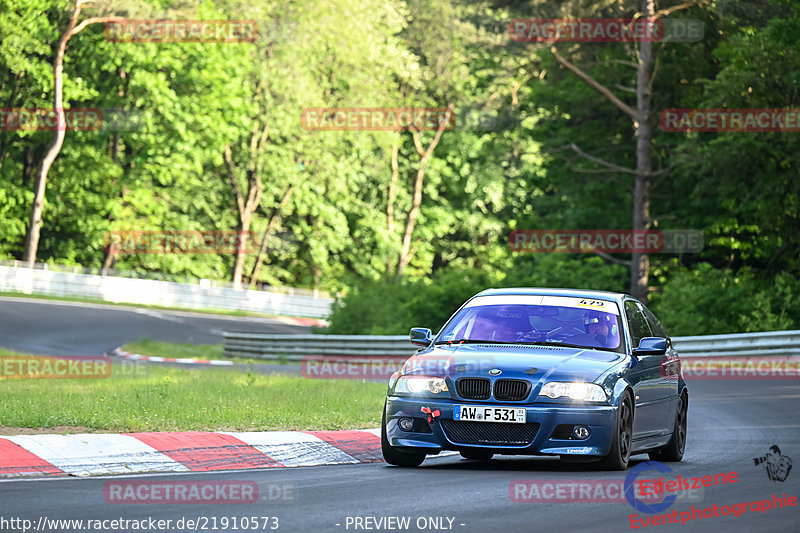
[(193, 351), (155, 398), (168, 349)]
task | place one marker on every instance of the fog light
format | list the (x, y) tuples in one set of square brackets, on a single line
[(406, 424), (581, 432)]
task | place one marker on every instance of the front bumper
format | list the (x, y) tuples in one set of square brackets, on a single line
[(599, 418)]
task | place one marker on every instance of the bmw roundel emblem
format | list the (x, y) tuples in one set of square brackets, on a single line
[(495, 372)]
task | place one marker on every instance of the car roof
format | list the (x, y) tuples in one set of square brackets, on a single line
[(541, 291)]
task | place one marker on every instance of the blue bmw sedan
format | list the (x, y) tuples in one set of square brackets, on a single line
[(583, 375)]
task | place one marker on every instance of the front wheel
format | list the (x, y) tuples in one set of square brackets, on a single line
[(622, 439), (673, 451), (392, 455)]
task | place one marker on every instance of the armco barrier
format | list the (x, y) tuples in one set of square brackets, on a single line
[(162, 293), (764, 344), (295, 347)]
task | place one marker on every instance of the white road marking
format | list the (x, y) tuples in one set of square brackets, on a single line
[(91, 454), (292, 448)]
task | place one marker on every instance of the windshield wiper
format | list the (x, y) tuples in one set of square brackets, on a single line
[(566, 345), (553, 343), (466, 341), (535, 343)]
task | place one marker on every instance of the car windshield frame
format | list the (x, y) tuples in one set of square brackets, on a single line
[(543, 323)]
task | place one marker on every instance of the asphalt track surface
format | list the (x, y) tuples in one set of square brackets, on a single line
[(730, 423), (47, 327)]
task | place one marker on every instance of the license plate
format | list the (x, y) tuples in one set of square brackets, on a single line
[(482, 413)]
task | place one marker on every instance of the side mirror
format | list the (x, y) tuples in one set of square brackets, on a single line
[(420, 336), (651, 346)]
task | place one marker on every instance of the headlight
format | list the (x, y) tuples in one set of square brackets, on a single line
[(420, 385), (589, 392)]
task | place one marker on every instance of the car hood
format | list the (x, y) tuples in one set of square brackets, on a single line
[(536, 363)]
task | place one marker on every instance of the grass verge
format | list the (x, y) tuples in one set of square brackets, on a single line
[(192, 351), (156, 398), (169, 349)]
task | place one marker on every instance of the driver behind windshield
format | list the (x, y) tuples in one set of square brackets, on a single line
[(535, 324), (599, 326)]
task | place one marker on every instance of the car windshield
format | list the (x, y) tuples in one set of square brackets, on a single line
[(539, 320)]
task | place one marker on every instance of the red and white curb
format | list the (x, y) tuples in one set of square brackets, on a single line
[(119, 352), (192, 451)]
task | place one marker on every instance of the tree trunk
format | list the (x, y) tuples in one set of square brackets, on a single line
[(640, 262), (11, 99), (34, 226), (273, 219), (241, 252), (108, 262), (411, 219), (31, 155), (416, 202), (390, 201), (32, 238), (246, 207)]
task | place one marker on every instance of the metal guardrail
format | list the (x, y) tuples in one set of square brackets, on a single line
[(763, 344), (161, 293), (162, 276), (295, 347)]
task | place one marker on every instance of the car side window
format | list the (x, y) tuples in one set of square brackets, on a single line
[(656, 326), (636, 322)]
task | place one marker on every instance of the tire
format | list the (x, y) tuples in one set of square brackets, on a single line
[(673, 451), (476, 455), (622, 439), (394, 456)]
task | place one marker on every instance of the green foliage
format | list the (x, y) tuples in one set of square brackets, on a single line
[(503, 167), (706, 301), (393, 307), (584, 271)]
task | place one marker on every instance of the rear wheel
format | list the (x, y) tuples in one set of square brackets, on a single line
[(392, 455), (622, 439), (673, 451), (476, 455)]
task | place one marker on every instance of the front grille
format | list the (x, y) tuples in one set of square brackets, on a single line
[(512, 390), (489, 433), (473, 388)]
